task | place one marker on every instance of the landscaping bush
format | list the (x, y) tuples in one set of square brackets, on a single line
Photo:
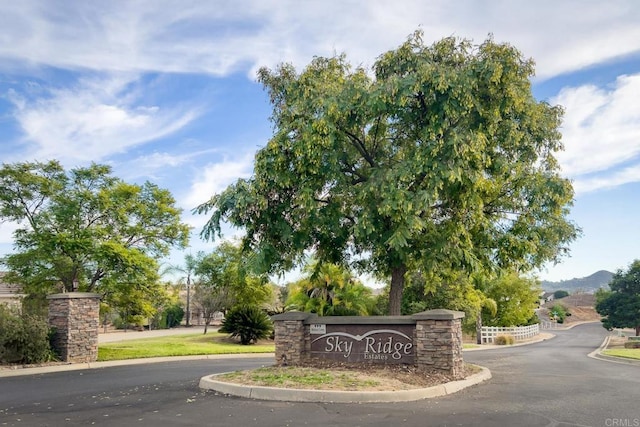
[(632, 344), (560, 294), (560, 312), (504, 340), (171, 317), (24, 338), (247, 322)]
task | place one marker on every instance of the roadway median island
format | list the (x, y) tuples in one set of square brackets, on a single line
[(341, 383)]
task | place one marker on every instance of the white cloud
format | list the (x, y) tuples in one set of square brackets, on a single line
[(221, 37), (212, 179), (96, 118), (7, 228), (601, 134), (614, 179), (156, 164)]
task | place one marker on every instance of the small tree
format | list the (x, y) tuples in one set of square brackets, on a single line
[(330, 290), (620, 307), (452, 290), (211, 300), (516, 298), (187, 271), (229, 267), (559, 312)]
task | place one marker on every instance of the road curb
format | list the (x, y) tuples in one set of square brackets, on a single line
[(19, 371), (333, 396), (597, 354)]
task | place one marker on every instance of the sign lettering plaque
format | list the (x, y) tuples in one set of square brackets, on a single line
[(364, 343)]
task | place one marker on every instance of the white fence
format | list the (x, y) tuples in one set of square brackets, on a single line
[(548, 324), (489, 333)]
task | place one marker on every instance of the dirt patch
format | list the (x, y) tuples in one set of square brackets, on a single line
[(347, 377), (616, 342), (581, 307)]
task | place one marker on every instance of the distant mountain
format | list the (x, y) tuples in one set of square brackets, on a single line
[(591, 283)]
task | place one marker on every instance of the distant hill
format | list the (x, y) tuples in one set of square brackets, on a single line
[(591, 283)]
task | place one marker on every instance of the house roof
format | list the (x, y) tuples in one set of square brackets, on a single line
[(8, 288)]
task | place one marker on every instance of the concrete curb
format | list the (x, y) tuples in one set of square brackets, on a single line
[(333, 396), (573, 325), (9, 372), (596, 354)]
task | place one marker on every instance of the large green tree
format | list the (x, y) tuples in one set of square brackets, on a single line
[(86, 230), (620, 307), (440, 158)]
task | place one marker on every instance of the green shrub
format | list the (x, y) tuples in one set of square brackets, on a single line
[(632, 344), (247, 322), (24, 338), (134, 323), (558, 311), (504, 340), (560, 294), (172, 316)]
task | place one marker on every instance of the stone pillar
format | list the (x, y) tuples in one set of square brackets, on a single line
[(291, 340), (438, 339), (76, 319)]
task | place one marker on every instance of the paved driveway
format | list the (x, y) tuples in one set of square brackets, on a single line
[(552, 383), (121, 335)]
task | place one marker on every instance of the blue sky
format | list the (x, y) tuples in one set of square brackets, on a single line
[(165, 90)]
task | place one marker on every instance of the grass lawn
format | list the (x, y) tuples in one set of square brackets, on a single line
[(629, 353), (301, 377), (178, 345)]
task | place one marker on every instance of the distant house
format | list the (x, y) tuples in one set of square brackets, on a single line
[(546, 297), (10, 294)]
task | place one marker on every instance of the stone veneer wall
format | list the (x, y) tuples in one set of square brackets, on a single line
[(291, 339), (437, 337), (76, 319)]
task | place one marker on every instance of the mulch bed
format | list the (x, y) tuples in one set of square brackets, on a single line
[(407, 374)]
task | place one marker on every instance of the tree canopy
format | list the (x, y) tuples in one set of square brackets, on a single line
[(620, 307), (86, 230), (439, 158)]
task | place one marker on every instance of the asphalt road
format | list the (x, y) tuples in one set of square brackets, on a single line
[(552, 383)]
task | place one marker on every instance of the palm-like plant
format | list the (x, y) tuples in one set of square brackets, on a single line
[(330, 290), (247, 322)]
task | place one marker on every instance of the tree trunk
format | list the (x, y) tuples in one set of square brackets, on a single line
[(189, 301), (397, 287), (638, 330), (479, 327)]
